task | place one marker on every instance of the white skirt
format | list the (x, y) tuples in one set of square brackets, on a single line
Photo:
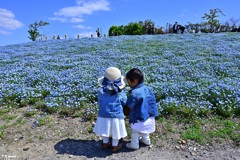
[(110, 127)]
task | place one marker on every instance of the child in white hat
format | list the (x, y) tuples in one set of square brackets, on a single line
[(111, 99)]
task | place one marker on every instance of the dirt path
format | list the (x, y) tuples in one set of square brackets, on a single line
[(70, 138), (89, 149)]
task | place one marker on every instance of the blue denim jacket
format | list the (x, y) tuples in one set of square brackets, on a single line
[(142, 104), (111, 105)]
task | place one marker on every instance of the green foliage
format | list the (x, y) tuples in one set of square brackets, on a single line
[(237, 111), (145, 25), (170, 128), (45, 120), (194, 26), (203, 112), (33, 29), (194, 132), (20, 121), (2, 128), (116, 30), (221, 105), (212, 22), (133, 28), (8, 118), (66, 111), (4, 111), (30, 113), (1, 134), (34, 34), (159, 30), (170, 109), (224, 129)]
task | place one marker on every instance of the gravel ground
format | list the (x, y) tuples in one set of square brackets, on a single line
[(71, 138)]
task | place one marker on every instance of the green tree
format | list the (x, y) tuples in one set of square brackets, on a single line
[(33, 29), (116, 30), (146, 24), (133, 28), (212, 23)]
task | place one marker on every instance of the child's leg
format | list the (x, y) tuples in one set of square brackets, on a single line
[(106, 143), (105, 139), (145, 135), (115, 142), (145, 139), (115, 146), (134, 140)]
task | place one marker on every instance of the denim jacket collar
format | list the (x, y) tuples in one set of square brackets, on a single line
[(137, 86)]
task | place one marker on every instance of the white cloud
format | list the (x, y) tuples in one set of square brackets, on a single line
[(76, 20), (86, 34), (8, 20), (58, 19), (82, 27), (83, 7), (80, 2), (4, 32)]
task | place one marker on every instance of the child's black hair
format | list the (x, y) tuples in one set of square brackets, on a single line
[(135, 74)]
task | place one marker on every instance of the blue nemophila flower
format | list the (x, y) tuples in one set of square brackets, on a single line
[(194, 70)]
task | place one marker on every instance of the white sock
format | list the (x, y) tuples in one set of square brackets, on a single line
[(105, 139), (115, 142)]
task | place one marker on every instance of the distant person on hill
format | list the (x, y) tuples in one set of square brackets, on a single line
[(142, 109), (98, 32), (112, 34), (181, 28), (111, 99), (175, 27), (150, 29)]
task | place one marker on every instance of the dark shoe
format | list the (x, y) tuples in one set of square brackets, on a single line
[(106, 146), (116, 148)]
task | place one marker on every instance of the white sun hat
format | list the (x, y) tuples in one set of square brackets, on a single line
[(113, 74)]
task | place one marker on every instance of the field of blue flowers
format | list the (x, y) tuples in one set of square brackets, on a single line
[(197, 73)]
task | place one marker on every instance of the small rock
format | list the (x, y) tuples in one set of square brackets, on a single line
[(150, 147), (182, 141), (19, 138), (177, 147), (193, 153), (190, 148), (26, 148), (182, 147)]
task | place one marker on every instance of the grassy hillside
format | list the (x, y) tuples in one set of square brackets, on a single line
[(197, 71), (195, 78)]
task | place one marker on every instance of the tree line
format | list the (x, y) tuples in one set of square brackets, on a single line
[(211, 24)]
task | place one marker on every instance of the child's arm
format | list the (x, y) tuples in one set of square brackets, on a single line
[(131, 102), (123, 98)]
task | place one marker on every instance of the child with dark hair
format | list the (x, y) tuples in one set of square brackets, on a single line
[(143, 109), (111, 99)]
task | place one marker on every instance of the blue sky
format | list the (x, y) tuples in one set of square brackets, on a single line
[(83, 17)]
